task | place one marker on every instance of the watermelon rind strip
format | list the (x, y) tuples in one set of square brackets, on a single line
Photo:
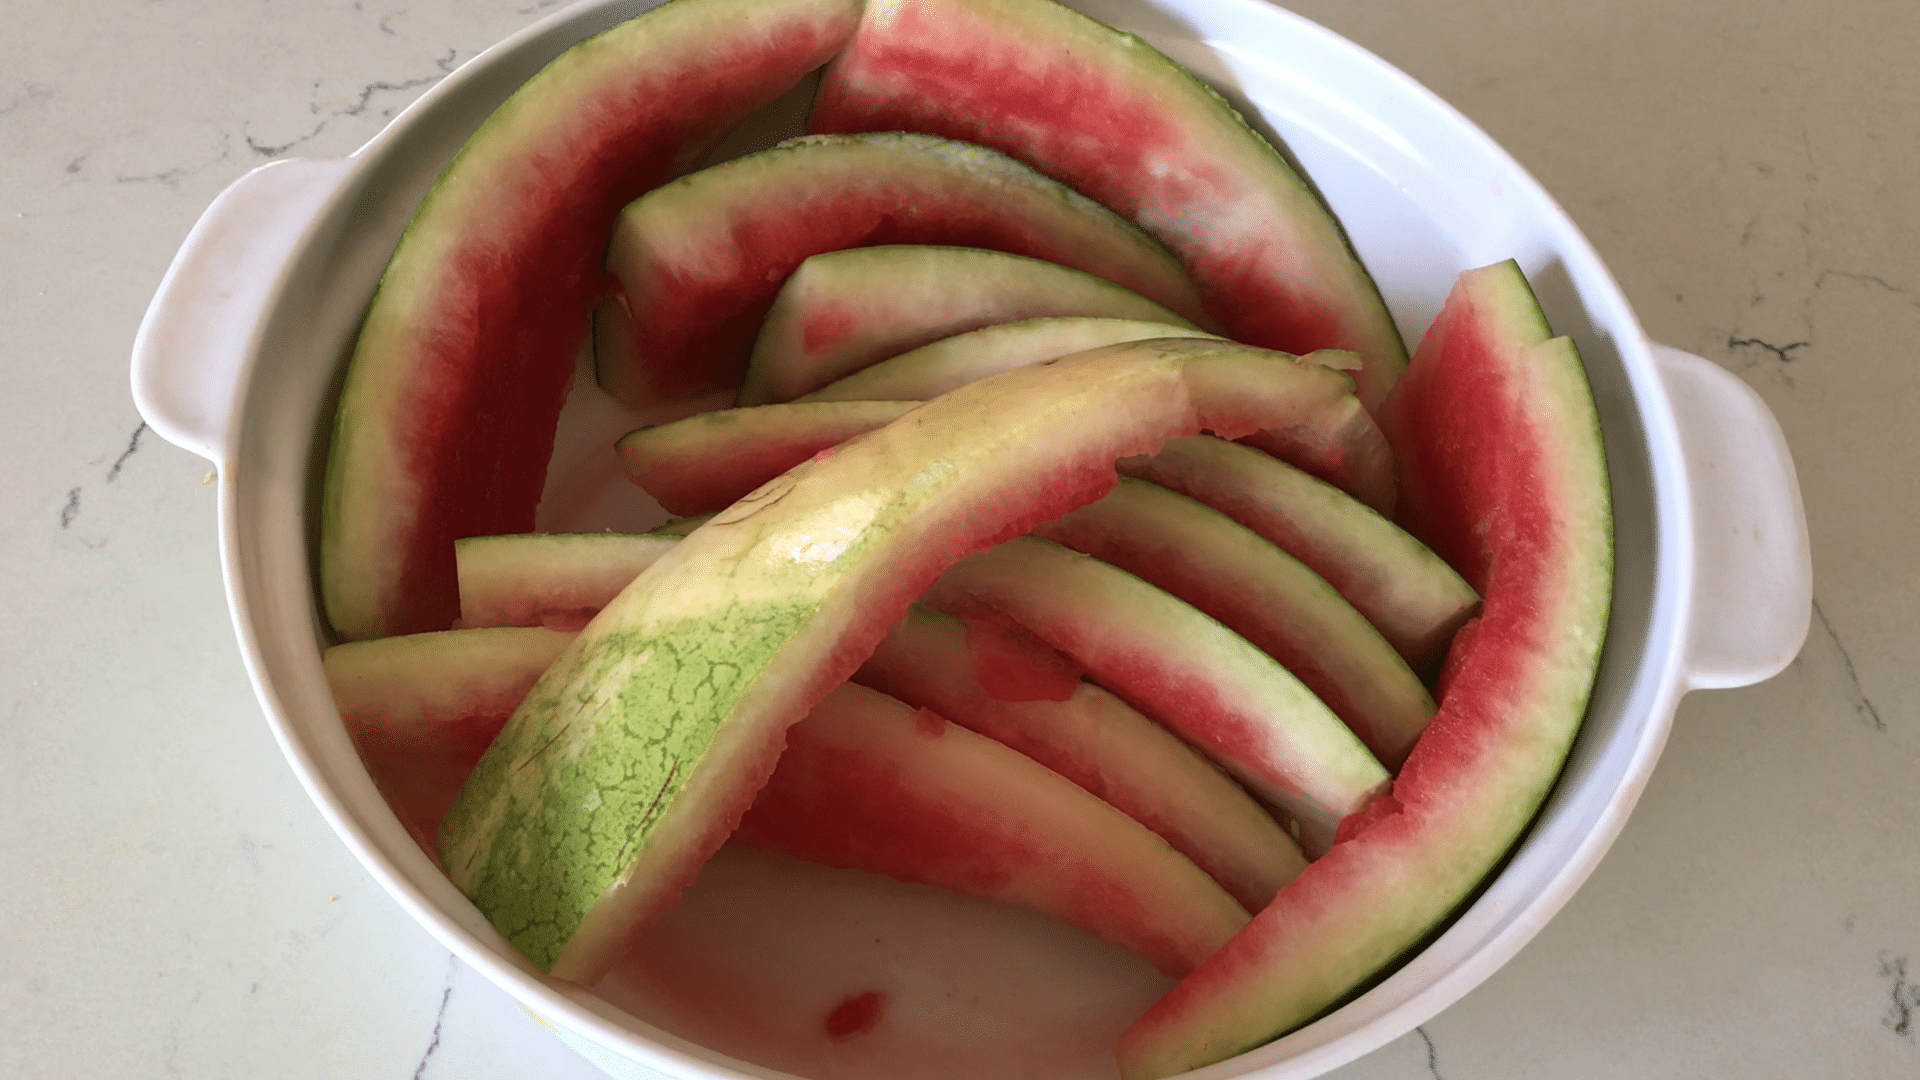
[(1091, 737), (633, 757), (1522, 504), (1106, 113), (452, 395), (1100, 743), (697, 261), (841, 311), (869, 783), (1257, 590), (932, 370), (1163, 656)]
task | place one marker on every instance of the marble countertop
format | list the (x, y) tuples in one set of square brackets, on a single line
[(174, 906)]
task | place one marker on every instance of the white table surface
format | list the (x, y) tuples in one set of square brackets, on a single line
[(172, 905)]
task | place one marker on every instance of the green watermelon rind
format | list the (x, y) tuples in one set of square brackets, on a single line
[(1410, 594), (893, 291), (581, 567), (686, 465), (1259, 591), (1176, 664), (932, 370), (1022, 833), (692, 256), (373, 511), (1104, 745), (1317, 233), (653, 729), (704, 462), (1491, 756)]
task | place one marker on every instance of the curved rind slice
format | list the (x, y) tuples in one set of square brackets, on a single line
[(447, 416), (1102, 744), (875, 787), (1202, 681), (932, 370), (422, 708), (1108, 115), (868, 783), (1405, 590), (843, 310), (697, 262), (1504, 471), (633, 758), (557, 580), (708, 461), (1257, 590), (1091, 737)]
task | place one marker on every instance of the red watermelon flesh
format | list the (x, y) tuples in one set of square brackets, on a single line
[(868, 783), (932, 370), (1106, 114), (578, 574), (1009, 663), (1263, 594), (447, 416), (1213, 688), (841, 311), (1504, 470), (697, 262), (1100, 743), (422, 708), (1410, 594)]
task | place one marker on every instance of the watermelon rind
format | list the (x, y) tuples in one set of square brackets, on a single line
[(932, 370), (422, 708), (632, 759), (1091, 737), (576, 574), (702, 464), (1405, 590), (1519, 501), (869, 783), (844, 310), (1100, 743), (706, 461), (451, 398), (696, 262), (1254, 588), (1107, 114), (1163, 656)]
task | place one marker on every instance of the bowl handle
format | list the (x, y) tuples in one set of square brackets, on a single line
[(1753, 574), (193, 345)]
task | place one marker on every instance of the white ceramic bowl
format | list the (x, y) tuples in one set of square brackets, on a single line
[(241, 352)]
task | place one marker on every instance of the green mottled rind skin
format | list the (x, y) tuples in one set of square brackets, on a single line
[(635, 755), (580, 829)]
